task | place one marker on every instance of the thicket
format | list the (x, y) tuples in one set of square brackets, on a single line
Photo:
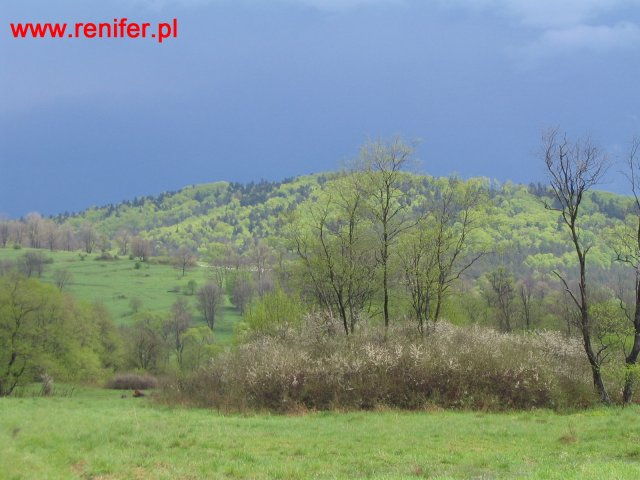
[(44, 333), (132, 381), (314, 366)]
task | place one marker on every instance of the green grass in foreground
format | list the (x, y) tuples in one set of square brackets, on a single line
[(96, 434)]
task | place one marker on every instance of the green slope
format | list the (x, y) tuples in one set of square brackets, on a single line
[(516, 223)]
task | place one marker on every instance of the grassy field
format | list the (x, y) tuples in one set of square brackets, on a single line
[(96, 434), (116, 282)]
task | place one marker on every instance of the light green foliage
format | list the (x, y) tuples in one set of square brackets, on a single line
[(169, 342), (335, 242), (273, 311), (222, 221), (419, 269), (232, 214), (203, 214), (146, 348), (239, 287), (611, 328), (500, 292), (198, 347), (43, 331)]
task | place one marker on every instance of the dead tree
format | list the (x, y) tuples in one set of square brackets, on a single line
[(628, 252), (573, 169)]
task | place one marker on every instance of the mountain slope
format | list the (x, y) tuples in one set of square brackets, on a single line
[(516, 223)]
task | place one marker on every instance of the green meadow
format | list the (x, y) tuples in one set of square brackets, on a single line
[(96, 434), (116, 282)]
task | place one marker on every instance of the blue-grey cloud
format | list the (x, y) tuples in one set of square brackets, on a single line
[(547, 13), (599, 38), (558, 28), (329, 5)]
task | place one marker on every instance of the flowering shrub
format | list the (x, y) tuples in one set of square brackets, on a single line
[(312, 367), (132, 381)]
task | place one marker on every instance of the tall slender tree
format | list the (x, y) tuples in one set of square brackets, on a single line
[(628, 252), (333, 241), (381, 164), (573, 169)]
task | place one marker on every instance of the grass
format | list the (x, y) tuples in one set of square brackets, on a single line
[(116, 282), (96, 434)]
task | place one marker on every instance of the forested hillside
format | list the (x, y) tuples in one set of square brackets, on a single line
[(515, 222), (200, 215)]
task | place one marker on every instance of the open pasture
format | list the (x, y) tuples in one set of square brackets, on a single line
[(99, 435)]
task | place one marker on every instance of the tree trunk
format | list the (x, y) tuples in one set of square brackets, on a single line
[(632, 358), (630, 377), (585, 327), (436, 315), (595, 368)]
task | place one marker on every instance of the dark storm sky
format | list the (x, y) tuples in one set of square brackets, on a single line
[(276, 88)]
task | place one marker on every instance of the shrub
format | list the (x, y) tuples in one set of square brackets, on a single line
[(135, 304), (47, 385), (190, 287), (313, 368), (132, 381), (273, 311)]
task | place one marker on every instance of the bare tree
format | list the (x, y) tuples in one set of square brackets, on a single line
[(62, 277), (4, 233), (503, 296), (261, 257), (67, 237), (381, 164), (573, 169), (210, 301), (145, 343), (628, 252), (335, 249), (241, 293), (184, 258), (176, 325), (33, 264), (34, 224), (50, 234), (103, 243), (18, 232), (419, 265), (218, 274), (141, 248), (526, 296), (123, 239), (455, 212), (88, 237)]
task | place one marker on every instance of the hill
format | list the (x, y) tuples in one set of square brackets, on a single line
[(202, 214), (235, 226), (516, 223)]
